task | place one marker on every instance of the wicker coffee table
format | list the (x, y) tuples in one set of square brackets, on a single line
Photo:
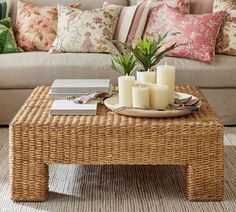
[(38, 139)]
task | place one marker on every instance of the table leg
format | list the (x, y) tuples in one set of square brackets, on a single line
[(29, 181), (205, 182)]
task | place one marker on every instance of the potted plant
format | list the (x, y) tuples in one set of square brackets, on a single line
[(126, 63), (148, 52)]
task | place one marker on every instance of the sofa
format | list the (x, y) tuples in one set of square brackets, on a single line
[(20, 73)]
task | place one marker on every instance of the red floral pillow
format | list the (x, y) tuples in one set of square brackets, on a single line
[(197, 32)]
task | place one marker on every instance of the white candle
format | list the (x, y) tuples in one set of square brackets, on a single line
[(146, 76), (159, 96), (166, 76), (125, 84), (144, 84), (141, 98)]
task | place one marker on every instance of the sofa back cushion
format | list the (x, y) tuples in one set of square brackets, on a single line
[(201, 6), (4, 9), (132, 2), (7, 40), (85, 4), (197, 6)]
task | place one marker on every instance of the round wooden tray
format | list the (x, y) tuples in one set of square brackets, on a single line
[(112, 103)]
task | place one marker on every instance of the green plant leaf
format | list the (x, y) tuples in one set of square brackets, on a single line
[(149, 51), (126, 63)]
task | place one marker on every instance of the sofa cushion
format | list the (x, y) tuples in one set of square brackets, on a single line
[(197, 6), (85, 4), (132, 20), (183, 5), (41, 68), (4, 9), (86, 31), (191, 29), (221, 74), (201, 6), (30, 69), (36, 26), (132, 2), (227, 38), (7, 40)]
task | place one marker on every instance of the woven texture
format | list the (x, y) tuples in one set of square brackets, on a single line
[(38, 139), (93, 188)]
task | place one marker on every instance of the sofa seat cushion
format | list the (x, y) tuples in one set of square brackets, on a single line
[(30, 69), (221, 74), (41, 68)]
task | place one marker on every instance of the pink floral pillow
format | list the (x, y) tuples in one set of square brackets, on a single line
[(36, 27), (182, 5), (197, 32)]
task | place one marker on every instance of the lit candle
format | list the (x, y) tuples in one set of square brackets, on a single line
[(141, 98), (125, 84), (146, 76), (159, 98), (166, 76)]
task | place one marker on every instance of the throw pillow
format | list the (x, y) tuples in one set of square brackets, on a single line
[(197, 32), (86, 31), (36, 26), (182, 5), (132, 20), (4, 9), (226, 42), (7, 40)]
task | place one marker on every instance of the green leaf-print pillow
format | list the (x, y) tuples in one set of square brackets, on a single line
[(7, 40)]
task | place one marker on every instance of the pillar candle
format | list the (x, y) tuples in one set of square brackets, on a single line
[(166, 76), (146, 76), (141, 98), (144, 84), (125, 84), (159, 96)]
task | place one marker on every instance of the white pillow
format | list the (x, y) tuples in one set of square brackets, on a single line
[(86, 31)]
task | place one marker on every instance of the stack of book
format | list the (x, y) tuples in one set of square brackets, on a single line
[(73, 88)]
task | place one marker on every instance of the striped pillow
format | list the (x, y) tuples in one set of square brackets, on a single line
[(132, 20), (4, 9)]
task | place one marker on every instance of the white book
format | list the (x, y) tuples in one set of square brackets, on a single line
[(80, 85), (52, 95), (68, 107)]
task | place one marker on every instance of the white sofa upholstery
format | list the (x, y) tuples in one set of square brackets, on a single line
[(31, 69), (20, 73)]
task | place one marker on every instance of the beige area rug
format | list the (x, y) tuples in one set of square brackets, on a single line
[(119, 188)]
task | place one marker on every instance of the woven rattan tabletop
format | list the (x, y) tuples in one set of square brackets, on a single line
[(36, 112)]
